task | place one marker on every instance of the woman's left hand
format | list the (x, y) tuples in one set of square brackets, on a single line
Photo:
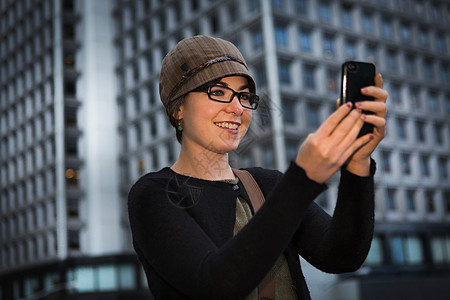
[(359, 162)]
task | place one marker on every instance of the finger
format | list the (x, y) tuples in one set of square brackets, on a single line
[(360, 142), (379, 80), (376, 121), (378, 93), (334, 119), (378, 108), (346, 132)]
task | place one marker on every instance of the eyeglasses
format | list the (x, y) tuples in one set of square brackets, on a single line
[(224, 94)]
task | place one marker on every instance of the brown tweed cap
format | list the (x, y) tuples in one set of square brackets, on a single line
[(198, 60)]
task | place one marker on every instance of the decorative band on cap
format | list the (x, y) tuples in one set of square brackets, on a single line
[(201, 67)]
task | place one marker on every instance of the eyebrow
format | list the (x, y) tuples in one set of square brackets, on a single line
[(243, 87)]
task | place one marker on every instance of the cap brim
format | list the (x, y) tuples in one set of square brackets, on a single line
[(213, 72)]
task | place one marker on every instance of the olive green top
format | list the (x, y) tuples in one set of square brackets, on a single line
[(283, 280)]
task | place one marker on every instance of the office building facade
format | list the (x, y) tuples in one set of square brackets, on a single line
[(100, 126)]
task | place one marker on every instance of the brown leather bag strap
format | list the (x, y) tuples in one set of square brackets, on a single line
[(266, 288)]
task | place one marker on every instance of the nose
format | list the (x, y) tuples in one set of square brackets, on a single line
[(235, 106)]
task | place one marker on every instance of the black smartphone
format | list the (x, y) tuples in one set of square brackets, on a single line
[(354, 76)]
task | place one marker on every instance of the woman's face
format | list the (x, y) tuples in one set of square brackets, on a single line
[(216, 126)]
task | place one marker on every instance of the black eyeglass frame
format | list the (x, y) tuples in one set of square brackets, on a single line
[(207, 89)]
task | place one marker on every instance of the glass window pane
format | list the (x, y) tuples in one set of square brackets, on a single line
[(414, 250), (437, 250), (127, 277), (375, 256), (397, 250), (107, 278), (84, 279)]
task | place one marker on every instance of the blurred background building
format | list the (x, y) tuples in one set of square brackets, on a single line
[(81, 120)]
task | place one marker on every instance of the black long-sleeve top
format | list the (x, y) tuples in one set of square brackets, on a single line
[(182, 230)]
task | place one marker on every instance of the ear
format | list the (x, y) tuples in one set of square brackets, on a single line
[(178, 115)]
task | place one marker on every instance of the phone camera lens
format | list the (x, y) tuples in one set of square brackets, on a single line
[(352, 67)]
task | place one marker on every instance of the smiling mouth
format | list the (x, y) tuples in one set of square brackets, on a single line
[(227, 125)]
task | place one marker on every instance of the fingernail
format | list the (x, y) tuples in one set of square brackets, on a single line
[(371, 137), (349, 104), (363, 117), (358, 103), (365, 90), (358, 110)]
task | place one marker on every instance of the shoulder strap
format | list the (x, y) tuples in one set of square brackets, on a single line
[(266, 288)]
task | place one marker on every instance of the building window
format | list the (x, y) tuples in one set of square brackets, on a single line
[(387, 29), (406, 250), (440, 249), (432, 103), (410, 65), (376, 253), (405, 163), (406, 33), (392, 65), (278, 4), (420, 132), (445, 77), (367, 23), (325, 12), (347, 20), (301, 7), (308, 77), (394, 95), (386, 161), (411, 201), (442, 166), (332, 81), (328, 46), (313, 116), (391, 204), (281, 36), (73, 239), (429, 202), (447, 103), (305, 41), (428, 70), (257, 39), (288, 112), (423, 37), (284, 73), (439, 134), (350, 50), (401, 129), (425, 165)]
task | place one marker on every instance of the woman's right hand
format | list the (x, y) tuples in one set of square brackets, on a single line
[(326, 150)]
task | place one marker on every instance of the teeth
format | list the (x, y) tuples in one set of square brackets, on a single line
[(227, 125)]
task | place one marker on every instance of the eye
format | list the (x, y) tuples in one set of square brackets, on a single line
[(216, 91), (245, 96)]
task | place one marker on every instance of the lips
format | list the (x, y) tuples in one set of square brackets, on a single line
[(228, 125)]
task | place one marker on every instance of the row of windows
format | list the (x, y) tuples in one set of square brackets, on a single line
[(28, 191), (330, 12), (27, 14), (338, 47), (425, 38), (420, 132), (408, 250), (29, 250), (36, 98), (412, 201), (106, 277), (23, 69)]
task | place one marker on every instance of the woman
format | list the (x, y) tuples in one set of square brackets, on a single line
[(193, 225)]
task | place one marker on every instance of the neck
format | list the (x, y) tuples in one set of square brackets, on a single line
[(203, 163)]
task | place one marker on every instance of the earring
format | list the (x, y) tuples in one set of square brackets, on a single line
[(180, 128)]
